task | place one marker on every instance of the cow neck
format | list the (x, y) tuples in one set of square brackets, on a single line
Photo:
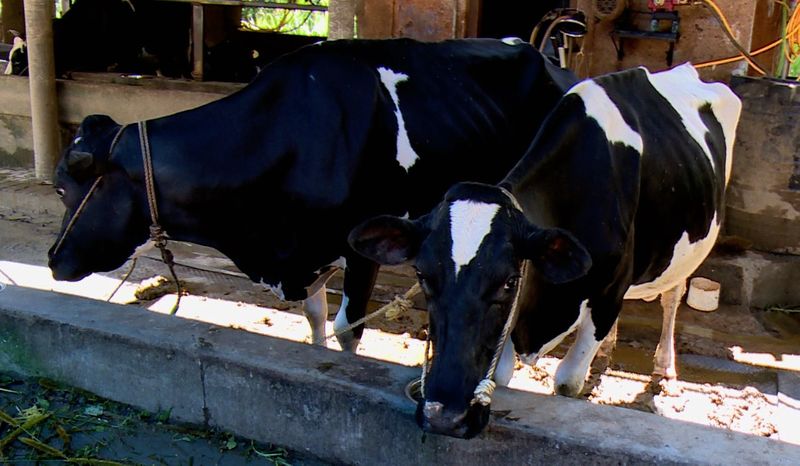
[(157, 234), (485, 388)]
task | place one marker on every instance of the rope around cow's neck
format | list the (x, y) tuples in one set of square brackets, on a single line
[(157, 234)]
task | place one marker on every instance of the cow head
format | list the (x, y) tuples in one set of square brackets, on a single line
[(18, 56), (110, 226), (468, 253)]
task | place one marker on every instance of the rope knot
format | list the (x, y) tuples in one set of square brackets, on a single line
[(483, 392), (158, 236), (398, 306)]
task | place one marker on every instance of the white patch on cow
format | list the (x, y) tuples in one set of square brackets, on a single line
[(18, 44), (683, 89), (77, 140), (406, 155), (470, 222), (346, 340), (147, 246), (341, 316), (573, 369), (512, 41), (602, 109), (531, 358), (341, 263), (686, 257), (277, 290)]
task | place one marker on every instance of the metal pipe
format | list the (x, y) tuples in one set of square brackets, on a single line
[(42, 82)]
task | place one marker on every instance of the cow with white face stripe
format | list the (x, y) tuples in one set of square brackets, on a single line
[(620, 196), (277, 174)]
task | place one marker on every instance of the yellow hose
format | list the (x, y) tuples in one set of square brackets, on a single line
[(791, 38)]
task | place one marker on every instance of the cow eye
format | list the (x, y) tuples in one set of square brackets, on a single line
[(511, 283), (60, 192)]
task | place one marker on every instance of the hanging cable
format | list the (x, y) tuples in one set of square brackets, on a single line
[(726, 27), (791, 38)]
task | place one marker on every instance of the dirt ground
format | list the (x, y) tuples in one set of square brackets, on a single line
[(728, 360)]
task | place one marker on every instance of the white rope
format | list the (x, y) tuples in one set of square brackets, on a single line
[(397, 306), (486, 387)]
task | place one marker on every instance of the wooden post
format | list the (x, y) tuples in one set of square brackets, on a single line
[(13, 18), (197, 41), (42, 82), (341, 19)]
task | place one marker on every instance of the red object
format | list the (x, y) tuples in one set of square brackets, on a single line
[(668, 5)]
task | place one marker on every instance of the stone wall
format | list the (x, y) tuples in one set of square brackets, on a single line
[(754, 22), (125, 102)]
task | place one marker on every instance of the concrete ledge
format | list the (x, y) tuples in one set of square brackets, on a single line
[(335, 406), (755, 279)]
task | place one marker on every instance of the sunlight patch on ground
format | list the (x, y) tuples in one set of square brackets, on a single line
[(94, 286), (784, 361), (400, 349)]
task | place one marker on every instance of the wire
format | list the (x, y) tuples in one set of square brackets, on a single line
[(726, 27), (791, 38)]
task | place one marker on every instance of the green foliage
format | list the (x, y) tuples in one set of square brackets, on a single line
[(286, 21)]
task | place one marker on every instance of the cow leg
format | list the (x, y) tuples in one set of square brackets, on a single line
[(359, 279), (571, 373), (664, 361), (315, 309)]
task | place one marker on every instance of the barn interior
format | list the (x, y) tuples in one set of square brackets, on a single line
[(740, 363)]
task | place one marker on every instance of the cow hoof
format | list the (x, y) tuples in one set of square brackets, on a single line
[(669, 387), (569, 390), (348, 343)]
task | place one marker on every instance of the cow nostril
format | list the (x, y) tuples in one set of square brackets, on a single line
[(432, 409)]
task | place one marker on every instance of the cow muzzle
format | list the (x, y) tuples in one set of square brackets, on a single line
[(433, 417), (63, 269)]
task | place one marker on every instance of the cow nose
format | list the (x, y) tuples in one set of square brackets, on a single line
[(438, 420), (432, 409)]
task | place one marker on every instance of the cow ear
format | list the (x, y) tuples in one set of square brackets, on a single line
[(557, 255), (79, 162), (388, 240)]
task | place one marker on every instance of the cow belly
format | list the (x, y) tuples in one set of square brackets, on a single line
[(686, 257)]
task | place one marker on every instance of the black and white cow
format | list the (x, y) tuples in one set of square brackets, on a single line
[(619, 196), (276, 175), (17, 57), (101, 35)]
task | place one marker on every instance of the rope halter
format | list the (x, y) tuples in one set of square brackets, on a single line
[(486, 387), (88, 195), (157, 234)]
